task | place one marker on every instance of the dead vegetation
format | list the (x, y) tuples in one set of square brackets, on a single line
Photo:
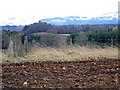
[(66, 53)]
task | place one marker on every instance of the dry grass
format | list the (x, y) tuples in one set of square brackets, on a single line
[(71, 53), (68, 53)]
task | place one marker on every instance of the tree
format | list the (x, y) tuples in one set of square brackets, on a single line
[(5, 39), (26, 44)]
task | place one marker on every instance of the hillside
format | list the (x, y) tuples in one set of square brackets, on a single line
[(64, 29)]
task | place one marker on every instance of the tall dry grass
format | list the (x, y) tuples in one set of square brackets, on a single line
[(71, 53), (66, 53)]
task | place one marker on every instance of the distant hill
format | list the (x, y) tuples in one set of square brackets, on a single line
[(64, 29), (12, 28), (109, 18)]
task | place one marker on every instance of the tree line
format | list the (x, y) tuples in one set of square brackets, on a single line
[(19, 43), (15, 42), (103, 37)]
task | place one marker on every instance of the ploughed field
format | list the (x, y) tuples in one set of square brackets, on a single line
[(102, 73)]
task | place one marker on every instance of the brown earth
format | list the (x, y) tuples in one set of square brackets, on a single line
[(103, 73)]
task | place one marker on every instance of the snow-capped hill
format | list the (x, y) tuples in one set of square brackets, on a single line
[(76, 18), (70, 20), (108, 18)]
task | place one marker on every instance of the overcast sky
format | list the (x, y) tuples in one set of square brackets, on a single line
[(29, 11)]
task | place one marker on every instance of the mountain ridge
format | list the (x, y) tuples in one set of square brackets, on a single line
[(108, 18)]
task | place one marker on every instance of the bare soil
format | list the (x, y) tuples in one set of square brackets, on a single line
[(103, 73)]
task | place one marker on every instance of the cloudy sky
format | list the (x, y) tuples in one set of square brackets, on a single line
[(30, 11)]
